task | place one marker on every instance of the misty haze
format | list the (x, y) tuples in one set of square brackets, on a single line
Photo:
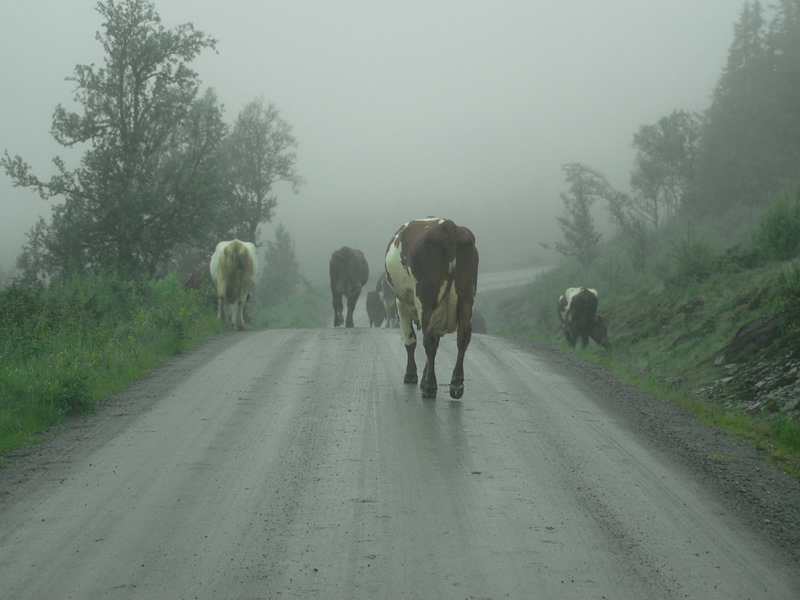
[(460, 110), (361, 300)]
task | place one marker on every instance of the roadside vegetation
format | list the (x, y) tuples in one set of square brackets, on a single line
[(65, 347), (698, 269), (94, 299), (713, 326)]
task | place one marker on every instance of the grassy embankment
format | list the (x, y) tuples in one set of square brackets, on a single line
[(673, 334), (66, 347)]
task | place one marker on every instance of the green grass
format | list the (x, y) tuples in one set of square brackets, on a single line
[(66, 347), (666, 338)]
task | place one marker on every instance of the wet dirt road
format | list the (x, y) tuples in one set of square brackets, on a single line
[(295, 464)]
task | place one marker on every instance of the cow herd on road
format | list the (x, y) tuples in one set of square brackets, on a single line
[(429, 281)]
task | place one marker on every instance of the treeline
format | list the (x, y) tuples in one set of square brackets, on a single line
[(716, 168), (164, 177)]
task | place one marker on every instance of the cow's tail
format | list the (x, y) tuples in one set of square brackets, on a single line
[(443, 316)]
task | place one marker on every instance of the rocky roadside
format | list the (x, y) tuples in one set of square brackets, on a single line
[(761, 371)]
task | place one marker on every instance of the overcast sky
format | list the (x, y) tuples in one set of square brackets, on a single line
[(460, 109)]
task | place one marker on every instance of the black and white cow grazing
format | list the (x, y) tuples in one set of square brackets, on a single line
[(349, 272), (577, 310), (432, 267), (375, 310)]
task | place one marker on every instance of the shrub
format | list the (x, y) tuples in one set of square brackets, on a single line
[(778, 234), (65, 346), (787, 299), (694, 261)]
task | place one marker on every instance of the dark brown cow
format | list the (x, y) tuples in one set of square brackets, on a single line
[(375, 310), (432, 267), (577, 310), (198, 277), (389, 301), (349, 272)]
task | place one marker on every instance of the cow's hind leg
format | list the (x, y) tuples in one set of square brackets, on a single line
[(428, 384), (240, 314), (463, 339), (410, 340)]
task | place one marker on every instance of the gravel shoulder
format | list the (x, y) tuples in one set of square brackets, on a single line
[(745, 478)]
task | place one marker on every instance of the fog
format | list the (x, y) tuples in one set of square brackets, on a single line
[(464, 110)]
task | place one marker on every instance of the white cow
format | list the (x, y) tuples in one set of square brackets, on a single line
[(233, 267)]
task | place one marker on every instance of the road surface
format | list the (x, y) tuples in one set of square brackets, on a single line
[(296, 464)]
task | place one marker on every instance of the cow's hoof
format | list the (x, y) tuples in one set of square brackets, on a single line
[(410, 378), (429, 392), (456, 391), (349, 325)]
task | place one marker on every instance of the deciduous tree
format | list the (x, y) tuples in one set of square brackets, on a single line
[(664, 164), (580, 238), (146, 182), (261, 154)]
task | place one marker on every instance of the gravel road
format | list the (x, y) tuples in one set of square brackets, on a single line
[(296, 464)]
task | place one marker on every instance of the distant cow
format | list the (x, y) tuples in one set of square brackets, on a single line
[(349, 272), (577, 310), (375, 310), (432, 267), (389, 301), (233, 267)]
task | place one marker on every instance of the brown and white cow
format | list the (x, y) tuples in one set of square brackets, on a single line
[(349, 272), (577, 310), (389, 301), (432, 267), (233, 267)]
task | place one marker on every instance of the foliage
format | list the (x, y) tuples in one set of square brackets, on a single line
[(581, 239), (694, 260), (668, 343), (280, 276), (787, 295), (778, 233), (260, 154), (65, 346), (633, 225), (148, 179), (664, 164), (750, 146)]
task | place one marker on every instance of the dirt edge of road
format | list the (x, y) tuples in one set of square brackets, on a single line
[(64, 445), (746, 479)]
